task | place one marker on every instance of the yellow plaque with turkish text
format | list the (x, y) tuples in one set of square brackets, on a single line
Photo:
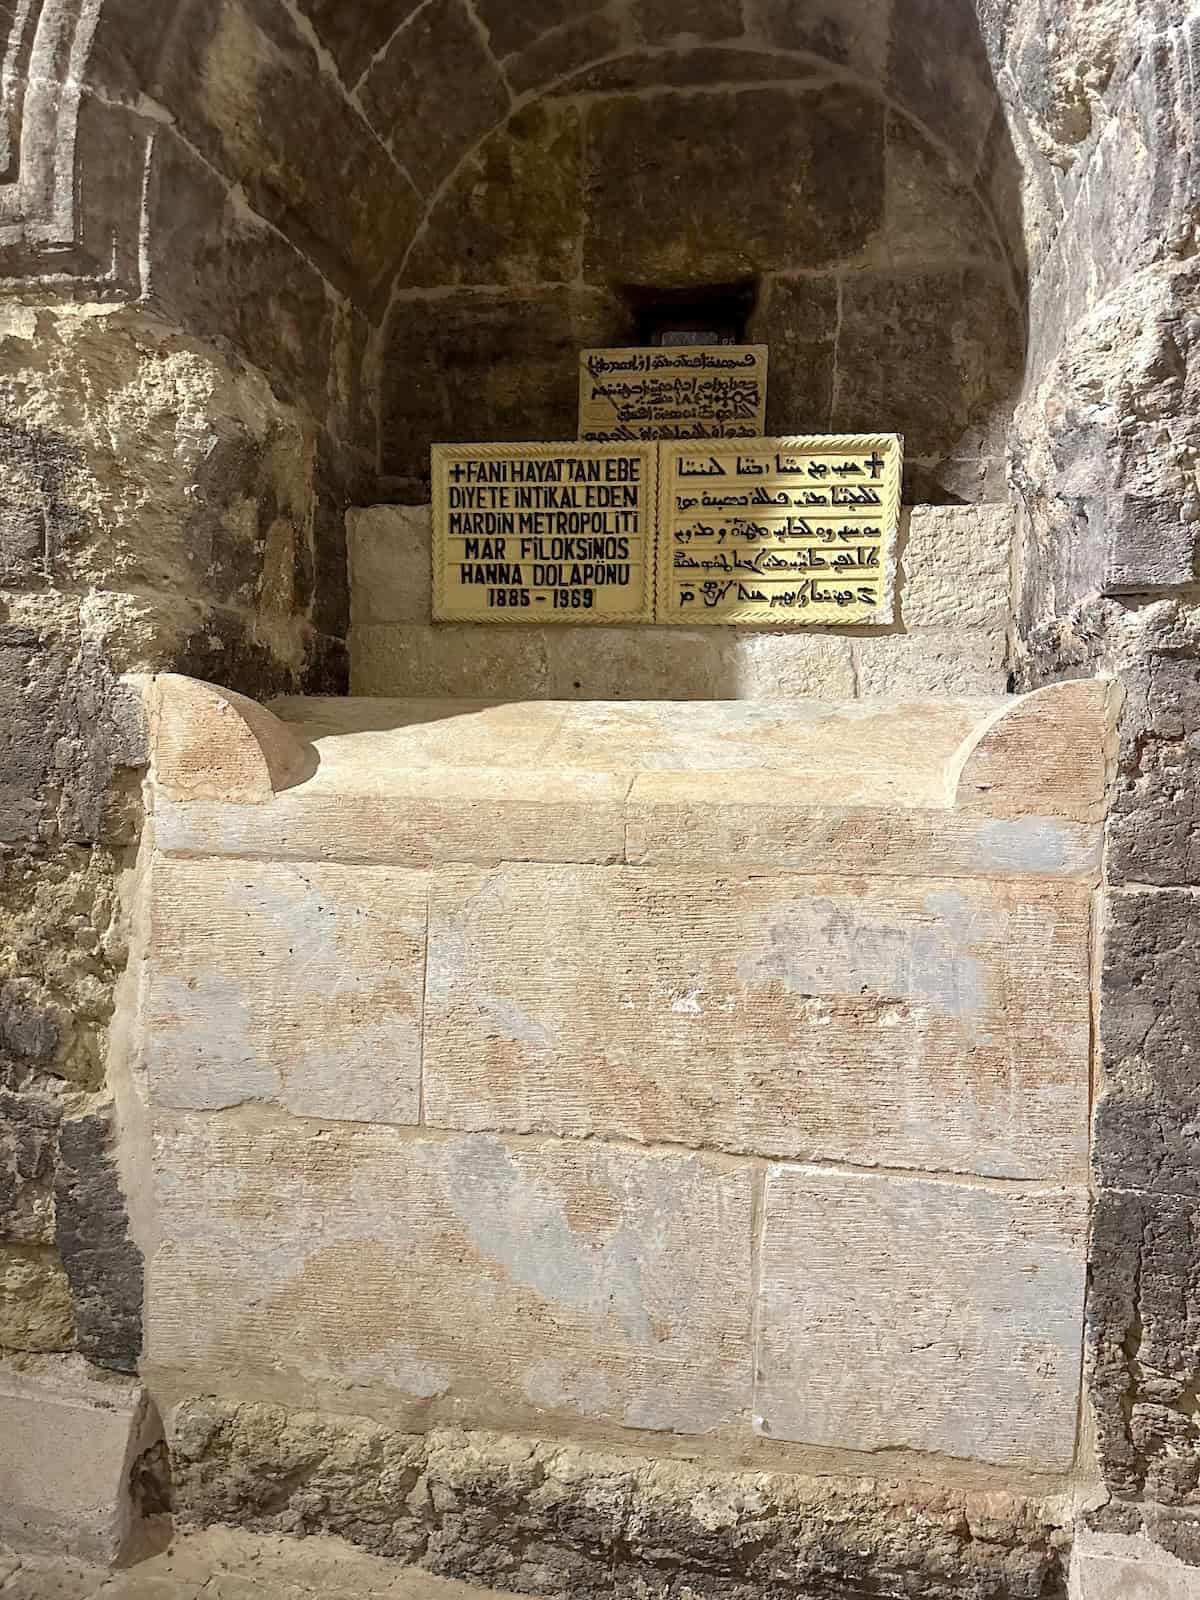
[(673, 392), (543, 532), (782, 533)]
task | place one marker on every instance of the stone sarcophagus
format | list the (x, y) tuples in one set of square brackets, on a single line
[(613, 1070)]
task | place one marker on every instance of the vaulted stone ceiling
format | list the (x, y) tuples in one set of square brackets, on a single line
[(341, 125)]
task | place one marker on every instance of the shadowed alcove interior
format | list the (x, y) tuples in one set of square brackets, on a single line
[(452, 208)]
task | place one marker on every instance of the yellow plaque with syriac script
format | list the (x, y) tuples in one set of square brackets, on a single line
[(543, 532), (781, 533), (673, 392)]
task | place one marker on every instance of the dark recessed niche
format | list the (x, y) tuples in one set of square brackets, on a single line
[(711, 313)]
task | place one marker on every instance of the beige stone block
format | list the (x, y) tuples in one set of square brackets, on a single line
[(69, 1438), (1052, 752), (791, 666), (776, 827), (956, 569), (480, 815), (212, 744), (464, 1277), (935, 1024), (296, 984), (1128, 1567), (933, 662), (448, 660), (643, 663), (390, 553), (845, 753), (900, 1313)]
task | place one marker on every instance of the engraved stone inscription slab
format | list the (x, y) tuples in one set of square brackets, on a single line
[(785, 533), (705, 392), (543, 533)]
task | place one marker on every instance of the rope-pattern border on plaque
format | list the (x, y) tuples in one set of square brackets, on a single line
[(812, 443), (444, 455)]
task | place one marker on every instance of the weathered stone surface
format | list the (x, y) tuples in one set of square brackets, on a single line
[(28, 1147), (449, 661), (953, 343), (513, 213), (950, 87), (464, 1277), (225, 274), (178, 461), (1126, 1567), (215, 744), (1155, 831), (914, 1015), (933, 662), (63, 946), (774, 666), (956, 570), (1107, 437), (639, 664), (540, 1517), (786, 832), (70, 1437), (561, 51), (308, 162), (103, 1265), (852, 33), (435, 90), (905, 1313), (482, 815), (35, 1300), (722, 225), (1143, 1317), (488, 367), (685, 68), (1048, 753), (68, 730), (660, 21), (391, 555), (1146, 1134), (798, 319), (932, 215), (354, 37), (312, 980)]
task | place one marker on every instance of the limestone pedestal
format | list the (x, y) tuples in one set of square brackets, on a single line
[(638, 1072)]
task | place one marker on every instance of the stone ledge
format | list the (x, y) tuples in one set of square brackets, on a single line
[(70, 1437), (540, 1517)]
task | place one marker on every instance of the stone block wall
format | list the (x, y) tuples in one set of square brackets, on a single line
[(675, 1081), (953, 635), (1103, 461)]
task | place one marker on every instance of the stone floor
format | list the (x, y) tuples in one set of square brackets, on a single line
[(220, 1564)]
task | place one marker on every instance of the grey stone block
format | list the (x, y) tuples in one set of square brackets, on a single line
[(1147, 1135), (1143, 1343), (435, 90), (103, 1265), (717, 228)]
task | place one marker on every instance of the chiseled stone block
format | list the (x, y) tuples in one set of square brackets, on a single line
[(297, 984), (937, 1024), (70, 1435), (391, 573), (1128, 1567), (480, 1279), (911, 1313), (957, 572), (449, 661)]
